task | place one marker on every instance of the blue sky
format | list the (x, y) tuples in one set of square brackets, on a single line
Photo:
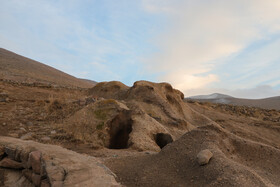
[(200, 47)]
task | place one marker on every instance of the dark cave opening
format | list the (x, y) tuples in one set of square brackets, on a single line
[(121, 127), (162, 139)]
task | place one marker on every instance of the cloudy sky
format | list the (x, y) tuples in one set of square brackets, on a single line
[(199, 46)]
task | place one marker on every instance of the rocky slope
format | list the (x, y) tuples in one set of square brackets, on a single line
[(14, 67)]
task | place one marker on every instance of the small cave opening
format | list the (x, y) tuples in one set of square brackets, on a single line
[(162, 139), (120, 128)]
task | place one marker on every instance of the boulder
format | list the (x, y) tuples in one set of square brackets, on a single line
[(46, 139), (27, 136), (35, 161), (204, 157)]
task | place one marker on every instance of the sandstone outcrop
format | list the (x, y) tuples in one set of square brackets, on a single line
[(37, 164), (131, 117)]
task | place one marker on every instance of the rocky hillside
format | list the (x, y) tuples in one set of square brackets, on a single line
[(14, 67), (146, 134)]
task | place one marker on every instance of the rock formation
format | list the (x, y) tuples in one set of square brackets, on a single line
[(132, 117), (36, 164)]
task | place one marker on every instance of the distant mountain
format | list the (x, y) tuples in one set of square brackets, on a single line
[(267, 103), (211, 96), (21, 69)]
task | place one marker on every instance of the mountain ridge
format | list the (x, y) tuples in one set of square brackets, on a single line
[(266, 103)]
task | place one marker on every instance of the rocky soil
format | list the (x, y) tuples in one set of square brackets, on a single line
[(125, 129), (245, 150)]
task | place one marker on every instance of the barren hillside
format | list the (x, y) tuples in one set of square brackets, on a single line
[(146, 135), (21, 69)]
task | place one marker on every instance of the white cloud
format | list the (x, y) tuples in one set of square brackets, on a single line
[(188, 81), (201, 33), (67, 35)]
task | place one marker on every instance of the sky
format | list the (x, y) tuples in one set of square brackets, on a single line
[(200, 47)]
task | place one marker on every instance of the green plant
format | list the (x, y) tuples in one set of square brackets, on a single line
[(100, 114), (100, 126)]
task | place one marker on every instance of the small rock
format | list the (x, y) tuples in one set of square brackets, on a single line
[(4, 124), (29, 123), (22, 129), (14, 135), (9, 163), (46, 139), (35, 161), (204, 156), (27, 136), (53, 132)]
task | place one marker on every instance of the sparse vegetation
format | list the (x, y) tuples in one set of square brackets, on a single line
[(100, 114), (100, 126)]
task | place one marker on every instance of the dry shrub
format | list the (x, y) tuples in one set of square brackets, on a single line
[(55, 104), (40, 102)]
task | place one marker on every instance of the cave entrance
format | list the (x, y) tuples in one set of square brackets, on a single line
[(120, 128), (162, 139)]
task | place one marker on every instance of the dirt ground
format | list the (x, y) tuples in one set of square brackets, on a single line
[(245, 142), (246, 152)]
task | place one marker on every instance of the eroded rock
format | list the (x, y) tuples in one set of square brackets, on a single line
[(9, 163), (35, 161), (52, 165)]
